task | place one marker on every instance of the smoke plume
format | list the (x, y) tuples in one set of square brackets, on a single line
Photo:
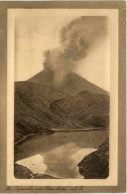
[(76, 40)]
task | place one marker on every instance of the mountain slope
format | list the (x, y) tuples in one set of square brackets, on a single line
[(31, 108), (39, 108), (72, 83), (82, 110)]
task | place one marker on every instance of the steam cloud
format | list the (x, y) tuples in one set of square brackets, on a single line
[(76, 40)]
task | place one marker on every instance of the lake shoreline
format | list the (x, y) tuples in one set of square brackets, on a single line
[(54, 130), (78, 130), (30, 136)]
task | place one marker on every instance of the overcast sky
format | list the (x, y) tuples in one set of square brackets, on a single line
[(34, 35)]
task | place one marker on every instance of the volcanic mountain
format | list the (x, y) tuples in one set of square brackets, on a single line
[(41, 106), (72, 83)]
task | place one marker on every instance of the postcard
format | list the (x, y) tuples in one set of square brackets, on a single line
[(65, 127)]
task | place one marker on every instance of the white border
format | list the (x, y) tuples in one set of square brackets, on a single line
[(112, 180)]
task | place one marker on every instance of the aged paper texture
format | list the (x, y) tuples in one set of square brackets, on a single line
[(64, 110), (86, 35)]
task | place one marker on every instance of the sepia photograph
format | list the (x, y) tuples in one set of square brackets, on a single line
[(62, 98), (61, 119), (61, 94)]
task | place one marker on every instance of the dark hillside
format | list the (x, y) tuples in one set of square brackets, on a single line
[(82, 110), (31, 108)]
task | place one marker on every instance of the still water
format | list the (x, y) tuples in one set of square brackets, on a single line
[(58, 154)]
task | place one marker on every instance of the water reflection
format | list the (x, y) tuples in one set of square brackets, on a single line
[(60, 162), (58, 154)]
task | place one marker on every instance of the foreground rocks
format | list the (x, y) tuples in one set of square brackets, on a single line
[(96, 164), (22, 172)]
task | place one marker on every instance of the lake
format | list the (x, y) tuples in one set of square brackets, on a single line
[(59, 153)]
